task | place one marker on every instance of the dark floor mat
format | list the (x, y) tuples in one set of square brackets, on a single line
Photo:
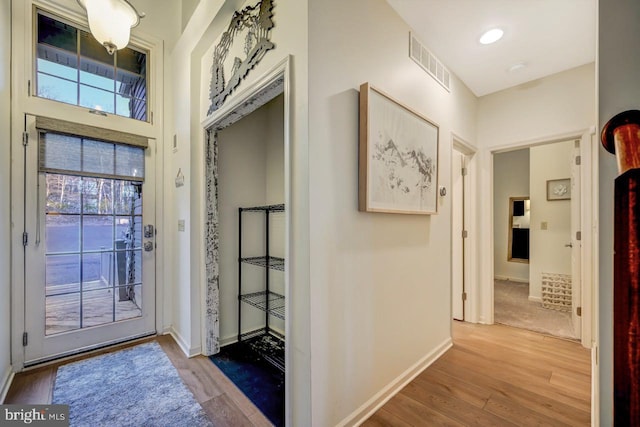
[(261, 382)]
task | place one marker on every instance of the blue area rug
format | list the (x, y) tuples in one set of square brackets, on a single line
[(137, 386), (262, 383)]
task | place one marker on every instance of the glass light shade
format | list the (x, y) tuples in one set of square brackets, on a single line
[(491, 36), (110, 21)]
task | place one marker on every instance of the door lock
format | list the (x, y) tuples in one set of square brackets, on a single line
[(148, 231)]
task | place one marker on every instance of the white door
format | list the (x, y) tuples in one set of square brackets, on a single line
[(89, 257), (457, 241), (576, 243)]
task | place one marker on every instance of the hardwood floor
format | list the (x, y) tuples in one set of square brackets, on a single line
[(493, 376), (223, 402), (497, 376)]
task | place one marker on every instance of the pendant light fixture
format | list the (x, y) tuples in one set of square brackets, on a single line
[(110, 21)]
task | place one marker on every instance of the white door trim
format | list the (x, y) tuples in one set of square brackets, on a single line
[(589, 218), (281, 70)]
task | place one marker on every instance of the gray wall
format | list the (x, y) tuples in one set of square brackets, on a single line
[(510, 179)]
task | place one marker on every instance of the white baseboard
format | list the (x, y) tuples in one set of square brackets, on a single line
[(535, 299), (6, 381), (361, 414), (186, 349), (511, 279)]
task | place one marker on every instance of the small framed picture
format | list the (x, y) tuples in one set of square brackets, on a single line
[(559, 189)]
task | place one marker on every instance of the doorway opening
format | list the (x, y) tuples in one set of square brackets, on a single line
[(247, 241), (537, 244)]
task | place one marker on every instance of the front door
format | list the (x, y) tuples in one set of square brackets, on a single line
[(89, 254)]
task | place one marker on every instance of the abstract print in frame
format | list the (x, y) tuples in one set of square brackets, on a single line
[(398, 161)]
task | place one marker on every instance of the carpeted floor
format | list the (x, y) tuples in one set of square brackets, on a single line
[(512, 307), (137, 386), (262, 383)]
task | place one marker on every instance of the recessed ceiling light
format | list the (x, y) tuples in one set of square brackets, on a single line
[(491, 36)]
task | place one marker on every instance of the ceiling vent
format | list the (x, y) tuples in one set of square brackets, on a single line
[(428, 62)]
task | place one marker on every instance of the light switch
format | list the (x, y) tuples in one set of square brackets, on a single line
[(181, 225), (543, 225)]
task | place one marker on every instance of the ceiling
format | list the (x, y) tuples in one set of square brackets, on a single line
[(546, 36)]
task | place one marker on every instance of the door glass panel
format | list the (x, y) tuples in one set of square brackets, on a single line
[(128, 302), (62, 313), (63, 274), (93, 245), (98, 232), (62, 233)]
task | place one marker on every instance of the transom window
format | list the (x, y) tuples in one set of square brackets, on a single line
[(72, 67)]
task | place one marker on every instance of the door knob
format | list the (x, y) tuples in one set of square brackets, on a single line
[(568, 245), (148, 246)]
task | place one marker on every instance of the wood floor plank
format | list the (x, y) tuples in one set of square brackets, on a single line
[(452, 407), (416, 413), (466, 391), (33, 387), (222, 411), (510, 409), (384, 418), (499, 375)]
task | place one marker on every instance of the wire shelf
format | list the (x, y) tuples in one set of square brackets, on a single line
[(270, 208), (259, 300), (268, 344), (275, 263)]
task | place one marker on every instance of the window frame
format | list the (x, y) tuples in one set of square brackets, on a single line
[(133, 44)]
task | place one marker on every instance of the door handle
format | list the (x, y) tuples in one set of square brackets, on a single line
[(148, 246), (568, 245)]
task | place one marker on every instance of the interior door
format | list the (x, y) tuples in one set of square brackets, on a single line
[(89, 253), (576, 242), (457, 241)]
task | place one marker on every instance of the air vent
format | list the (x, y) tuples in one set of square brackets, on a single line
[(428, 62)]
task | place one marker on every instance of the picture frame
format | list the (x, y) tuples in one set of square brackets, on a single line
[(559, 189), (398, 157)]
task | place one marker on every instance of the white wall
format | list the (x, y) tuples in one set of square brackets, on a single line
[(184, 265), (250, 173), (510, 179), (5, 163), (618, 91), (188, 6), (550, 109), (380, 283), (548, 253)]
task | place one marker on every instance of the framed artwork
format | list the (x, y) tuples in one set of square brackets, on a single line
[(398, 159), (559, 189)]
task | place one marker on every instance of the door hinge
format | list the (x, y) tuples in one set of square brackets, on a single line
[(578, 235), (464, 171), (578, 160), (25, 138), (25, 339), (579, 311), (28, 87), (464, 296), (25, 238), (465, 234)]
